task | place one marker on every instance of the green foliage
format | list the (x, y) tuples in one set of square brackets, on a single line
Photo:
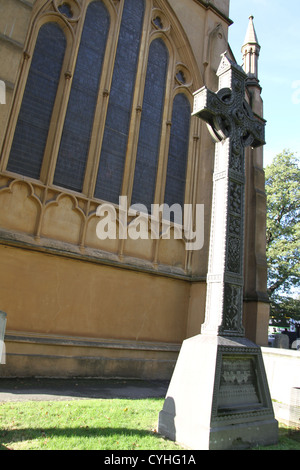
[(283, 308), (289, 439), (82, 425), (283, 233), (116, 425)]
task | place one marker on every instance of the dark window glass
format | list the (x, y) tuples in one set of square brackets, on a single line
[(112, 158), (76, 137), (31, 132), (178, 151), (151, 122)]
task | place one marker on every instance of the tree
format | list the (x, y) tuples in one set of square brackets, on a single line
[(283, 234)]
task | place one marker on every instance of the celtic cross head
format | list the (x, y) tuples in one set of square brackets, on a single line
[(226, 112)]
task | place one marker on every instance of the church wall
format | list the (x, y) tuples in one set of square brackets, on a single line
[(70, 317), (75, 304), (221, 5), (63, 296), (14, 21)]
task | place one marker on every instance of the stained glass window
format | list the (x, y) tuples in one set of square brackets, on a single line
[(31, 133), (178, 151), (33, 123), (151, 123), (112, 158), (76, 137)]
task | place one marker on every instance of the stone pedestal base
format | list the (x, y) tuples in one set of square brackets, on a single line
[(219, 397)]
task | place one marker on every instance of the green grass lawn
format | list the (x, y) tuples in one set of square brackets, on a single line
[(289, 439), (82, 424), (92, 425)]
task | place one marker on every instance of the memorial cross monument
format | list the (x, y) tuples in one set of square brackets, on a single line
[(233, 126), (218, 397)]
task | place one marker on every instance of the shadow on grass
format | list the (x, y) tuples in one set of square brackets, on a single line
[(294, 434), (26, 434), (2, 447)]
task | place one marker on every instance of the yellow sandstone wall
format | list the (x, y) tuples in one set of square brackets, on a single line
[(80, 306)]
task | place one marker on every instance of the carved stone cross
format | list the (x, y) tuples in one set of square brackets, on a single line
[(233, 126), (218, 397)]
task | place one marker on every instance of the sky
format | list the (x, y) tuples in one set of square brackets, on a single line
[(277, 25)]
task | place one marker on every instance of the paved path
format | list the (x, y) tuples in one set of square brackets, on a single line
[(12, 390)]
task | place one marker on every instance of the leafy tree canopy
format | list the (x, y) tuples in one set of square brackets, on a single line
[(283, 234)]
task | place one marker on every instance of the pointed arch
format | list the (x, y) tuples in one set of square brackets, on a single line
[(76, 136), (151, 124), (178, 151), (30, 137), (115, 138)]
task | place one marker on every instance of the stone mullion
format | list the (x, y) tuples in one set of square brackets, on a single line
[(73, 33), (93, 160)]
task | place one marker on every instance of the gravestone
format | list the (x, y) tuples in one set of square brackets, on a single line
[(296, 344), (2, 332), (294, 420), (282, 341), (218, 397)]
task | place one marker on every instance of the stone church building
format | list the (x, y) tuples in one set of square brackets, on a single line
[(98, 105)]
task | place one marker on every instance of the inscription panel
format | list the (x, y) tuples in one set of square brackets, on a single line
[(238, 390)]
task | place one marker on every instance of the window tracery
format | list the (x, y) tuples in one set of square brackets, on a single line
[(119, 121)]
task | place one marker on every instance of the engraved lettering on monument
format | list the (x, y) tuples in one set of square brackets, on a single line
[(238, 388)]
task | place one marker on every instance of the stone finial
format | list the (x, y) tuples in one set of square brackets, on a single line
[(251, 51), (251, 36)]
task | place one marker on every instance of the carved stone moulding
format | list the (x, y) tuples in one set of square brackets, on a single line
[(183, 76), (70, 9), (160, 21)]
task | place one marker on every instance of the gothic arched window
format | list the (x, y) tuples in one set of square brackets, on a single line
[(178, 151), (77, 132), (27, 151), (114, 145), (151, 124), (98, 114)]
